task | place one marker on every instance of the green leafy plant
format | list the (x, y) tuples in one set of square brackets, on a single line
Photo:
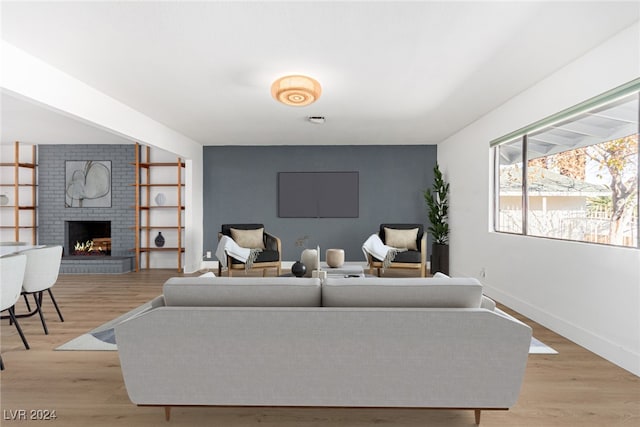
[(437, 199)]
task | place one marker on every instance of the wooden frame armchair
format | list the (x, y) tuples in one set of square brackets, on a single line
[(410, 259), (270, 257)]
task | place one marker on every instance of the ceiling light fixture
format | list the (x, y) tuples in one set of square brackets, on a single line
[(318, 120), (296, 90)]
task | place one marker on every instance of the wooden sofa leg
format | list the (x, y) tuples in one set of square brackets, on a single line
[(477, 412), (167, 413)]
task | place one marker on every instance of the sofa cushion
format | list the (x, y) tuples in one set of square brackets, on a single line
[(248, 238), (406, 256), (403, 292), (242, 292), (486, 302), (401, 238), (265, 256)]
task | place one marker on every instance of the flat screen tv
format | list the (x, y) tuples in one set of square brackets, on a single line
[(318, 194)]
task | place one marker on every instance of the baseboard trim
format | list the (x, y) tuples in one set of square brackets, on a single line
[(613, 352)]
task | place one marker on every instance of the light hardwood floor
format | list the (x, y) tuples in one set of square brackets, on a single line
[(85, 388)]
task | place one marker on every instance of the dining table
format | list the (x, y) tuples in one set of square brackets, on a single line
[(15, 249)]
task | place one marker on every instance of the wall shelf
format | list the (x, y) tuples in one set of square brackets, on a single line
[(157, 185), (145, 221), (165, 249), (154, 164), (161, 207), (22, 202)]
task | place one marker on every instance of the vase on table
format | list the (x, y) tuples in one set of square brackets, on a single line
[(309, 258), (335, 258), (298, 269), (159, 240)]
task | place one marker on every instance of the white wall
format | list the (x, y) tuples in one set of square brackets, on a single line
[(26, 76), (587, 293)]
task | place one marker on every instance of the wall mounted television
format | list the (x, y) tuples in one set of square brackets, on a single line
[(318, 194)]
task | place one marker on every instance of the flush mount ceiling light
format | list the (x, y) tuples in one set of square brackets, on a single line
[(296, 91)]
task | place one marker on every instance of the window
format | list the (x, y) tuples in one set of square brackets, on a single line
[(573, 176), (509, 200)]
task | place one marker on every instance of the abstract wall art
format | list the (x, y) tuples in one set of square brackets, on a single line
[(87, 184)]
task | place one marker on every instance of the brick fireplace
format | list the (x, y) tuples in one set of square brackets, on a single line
[(55, 219)]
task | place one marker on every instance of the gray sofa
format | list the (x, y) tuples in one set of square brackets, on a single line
[(352, 342)]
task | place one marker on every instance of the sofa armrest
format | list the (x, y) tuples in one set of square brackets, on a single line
[(487, 303)]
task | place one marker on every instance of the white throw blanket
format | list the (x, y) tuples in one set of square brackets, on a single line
[(227, 246), (375, 247)]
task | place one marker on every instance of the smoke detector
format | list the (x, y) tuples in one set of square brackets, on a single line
[(318, 120)]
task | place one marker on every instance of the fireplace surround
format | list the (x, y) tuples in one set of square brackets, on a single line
[(53, 215)]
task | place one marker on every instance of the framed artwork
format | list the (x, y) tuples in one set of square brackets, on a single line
[(87, 184)]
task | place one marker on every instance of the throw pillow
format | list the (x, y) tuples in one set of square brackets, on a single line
[(248, 238), (439, 275), (401, 238)]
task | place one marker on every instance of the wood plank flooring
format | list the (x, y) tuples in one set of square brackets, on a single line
[(85, 388)]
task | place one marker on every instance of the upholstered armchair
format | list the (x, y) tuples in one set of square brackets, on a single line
[(251, 236), (403, 236)]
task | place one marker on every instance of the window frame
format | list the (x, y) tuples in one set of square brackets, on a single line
[(596, 102)]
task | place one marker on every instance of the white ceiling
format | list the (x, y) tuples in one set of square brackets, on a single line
[(391, 72)]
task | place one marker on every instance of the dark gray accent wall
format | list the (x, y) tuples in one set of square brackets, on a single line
[(240, 186), (52, 212)]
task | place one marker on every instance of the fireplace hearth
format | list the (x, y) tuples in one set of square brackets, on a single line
[(88, 238)]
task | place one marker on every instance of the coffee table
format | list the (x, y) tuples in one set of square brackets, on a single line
[(350, 270)]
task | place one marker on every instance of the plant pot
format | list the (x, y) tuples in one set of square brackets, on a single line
[(439, 259)]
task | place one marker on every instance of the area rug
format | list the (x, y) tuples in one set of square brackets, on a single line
[(538, 347), (103, 337)]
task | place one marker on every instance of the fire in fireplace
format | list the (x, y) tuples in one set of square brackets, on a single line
[(89, 238)]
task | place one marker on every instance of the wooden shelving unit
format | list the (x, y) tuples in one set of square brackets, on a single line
[(29, 203), (146, 224)]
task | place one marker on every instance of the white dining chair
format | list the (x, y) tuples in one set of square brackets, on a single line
[(12, 268), (41, 273)]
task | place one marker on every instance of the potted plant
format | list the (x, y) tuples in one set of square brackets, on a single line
[(437, 199)]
